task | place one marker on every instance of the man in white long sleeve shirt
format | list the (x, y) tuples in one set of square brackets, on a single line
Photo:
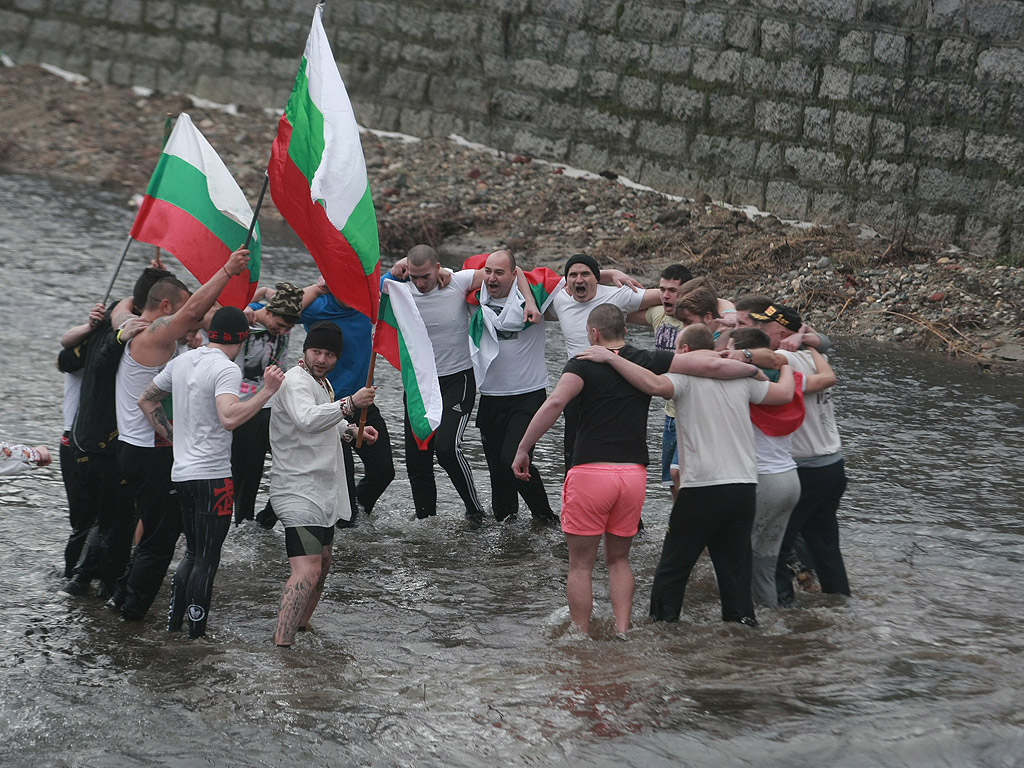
[(308, 490)]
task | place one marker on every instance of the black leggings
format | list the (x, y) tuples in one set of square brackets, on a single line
[(718, 517), (206, 507)]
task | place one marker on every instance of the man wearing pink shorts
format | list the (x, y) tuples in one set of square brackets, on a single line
[(605, 487)]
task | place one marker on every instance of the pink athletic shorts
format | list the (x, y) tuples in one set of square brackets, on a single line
[(603, 498)]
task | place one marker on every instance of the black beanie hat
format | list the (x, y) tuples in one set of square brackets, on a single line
[(587, 261), (324, 335), (228, 326)]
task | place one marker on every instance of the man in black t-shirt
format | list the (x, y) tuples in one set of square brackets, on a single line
[(605, 487)]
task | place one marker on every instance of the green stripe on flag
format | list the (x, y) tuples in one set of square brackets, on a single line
[(417, 409), (307, 123), (361, 232), (188, 190)]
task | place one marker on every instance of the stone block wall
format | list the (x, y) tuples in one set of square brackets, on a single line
[(889, 112)]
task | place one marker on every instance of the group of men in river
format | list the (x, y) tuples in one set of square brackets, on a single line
[(172, 405)]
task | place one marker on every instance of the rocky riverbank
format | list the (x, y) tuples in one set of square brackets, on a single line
[(891, 286)]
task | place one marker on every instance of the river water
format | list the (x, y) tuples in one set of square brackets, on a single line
[(436, 645)]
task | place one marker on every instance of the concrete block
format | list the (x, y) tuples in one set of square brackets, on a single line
[(946, 16), (776, 38), (936, 142), (769, 159), (234, 27), (93, 9), (567, 11), (941, 185), (406, 85), (889, 138), (777, 118), (888, 217), (639, 94), (145, 74), (895, 13), (995, 19), (579, 48), (160, 14), (925, 99), (626, 165), (703, 27), (921, 55), (536, 40), (828, 205), (195, 19), (871, 89), (785, 199), (620, 53), (711, 67), (890, 50), (730, 112), (31, 6), (855, 47), (740, 191), (935, 227), (853, 131), (120, 73), (588, 157), (1006, 201), (717, 152), (417, 56), (540, 74), (99, 70), (649, 23), (968, 102), (681, 102), (603, 15), (999, 150), (464, 28), (47, 31), (670, 177), (415, 122), (817, 125), (126, 12), (759, 75), (894, 179), (559, 117), (795, 78), (981, 235), (668, 140), (835, 83), (829, 10), (675, 58), (410, 20), (600, 84), (815, 166), (955, 57), (252, 6), (280, 34), (613, 126), (200, 55), (1000, 65), (741, 31), (814, 41), (14, 25), (546, 148)]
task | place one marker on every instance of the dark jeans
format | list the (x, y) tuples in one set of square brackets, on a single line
[(81, 509), (718, 517), (148, 472), (814, 518), (458, 391), (250, 444), (502, 421), (109, 542), (378, 464), (206, 517)]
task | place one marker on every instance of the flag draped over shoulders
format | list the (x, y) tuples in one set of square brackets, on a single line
[(318, 178), (194, 209), (401, 337)]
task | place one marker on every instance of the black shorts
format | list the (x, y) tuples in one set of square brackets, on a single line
[(307, 539)]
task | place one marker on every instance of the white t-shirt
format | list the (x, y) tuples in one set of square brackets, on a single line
[(818, 435), (202, 447), (446, 317), (716, 442), (519, 367), (72, 397), (572, 315)]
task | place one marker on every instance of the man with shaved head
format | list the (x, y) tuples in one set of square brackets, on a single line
[(512, 389)]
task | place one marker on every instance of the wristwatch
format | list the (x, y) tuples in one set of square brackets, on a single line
[(748, 355)]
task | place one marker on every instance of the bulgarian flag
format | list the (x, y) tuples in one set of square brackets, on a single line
[(401, 337), (318, 178), (486, 323), (194, 209)]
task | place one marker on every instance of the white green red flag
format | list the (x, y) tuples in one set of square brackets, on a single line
[(318, 178), (194, 209), (401, 337), (486, 323)]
